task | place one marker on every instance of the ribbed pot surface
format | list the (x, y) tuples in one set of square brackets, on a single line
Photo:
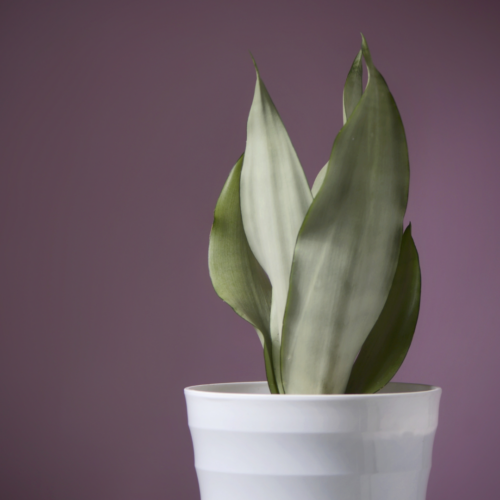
[(251, 445)]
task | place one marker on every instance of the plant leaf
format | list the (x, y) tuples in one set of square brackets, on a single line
[(353, 90), (268, 362), (236, 274), (348, 246), (353, 87), (274, 199), (385, 348), (318, 182)]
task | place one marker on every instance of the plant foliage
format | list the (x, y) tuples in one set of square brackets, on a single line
[(326, 275)]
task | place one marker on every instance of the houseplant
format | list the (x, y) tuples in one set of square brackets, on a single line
[(331, 283)]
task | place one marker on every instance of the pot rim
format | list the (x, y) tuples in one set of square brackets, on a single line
[(236, 390)]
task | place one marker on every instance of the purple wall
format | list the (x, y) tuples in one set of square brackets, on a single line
[(119, 124)]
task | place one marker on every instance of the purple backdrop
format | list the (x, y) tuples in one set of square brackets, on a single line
[(119, 124)]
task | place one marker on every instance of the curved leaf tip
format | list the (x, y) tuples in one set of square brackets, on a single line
[(367, 55), (255, 65)]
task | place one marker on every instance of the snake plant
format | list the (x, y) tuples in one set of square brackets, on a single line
[(326, 275)]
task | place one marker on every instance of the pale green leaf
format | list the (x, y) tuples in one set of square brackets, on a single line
[(236, 274), (318, 182), (385, 348), (348, 246), (274, 199), (353, 89)]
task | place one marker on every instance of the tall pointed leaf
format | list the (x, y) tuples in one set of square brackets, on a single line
[(348, 246), (236, 274), (274, 199), (353, 89), (385, 348)]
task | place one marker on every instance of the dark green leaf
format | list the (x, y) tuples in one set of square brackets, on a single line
[(385, 348), (236, 274), (353, 87)]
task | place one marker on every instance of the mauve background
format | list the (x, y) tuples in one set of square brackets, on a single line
[(119, 124)]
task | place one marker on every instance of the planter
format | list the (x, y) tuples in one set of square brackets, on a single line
[(251, 445)]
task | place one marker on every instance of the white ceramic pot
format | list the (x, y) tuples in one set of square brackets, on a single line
[(252, 445)]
